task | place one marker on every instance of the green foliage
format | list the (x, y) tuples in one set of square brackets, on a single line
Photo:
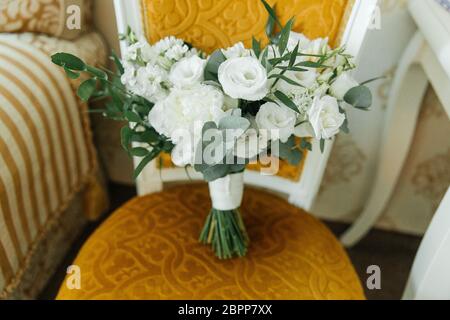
[(272, 16), (234, 123), (120, 105), (322, 145), (290, 152), (212, 67), (359, 97), (284, 36), (256, 47), (69, 61), (87, 89), (286, 101)]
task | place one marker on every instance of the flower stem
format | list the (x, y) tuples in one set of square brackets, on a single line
[(225, 232)]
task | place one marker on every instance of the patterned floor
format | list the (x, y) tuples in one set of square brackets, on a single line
[(392, 252)]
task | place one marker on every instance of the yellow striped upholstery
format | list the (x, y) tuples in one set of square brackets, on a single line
[(46, 154), (212, 24)]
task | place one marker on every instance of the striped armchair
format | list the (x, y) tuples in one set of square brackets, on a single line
[(49, 185)]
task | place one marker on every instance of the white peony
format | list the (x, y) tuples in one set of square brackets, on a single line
[(244, 78), (236, 51), (274, 117), (325, 117), (342, 85), (185, 109), (188, 72), (183, 153)]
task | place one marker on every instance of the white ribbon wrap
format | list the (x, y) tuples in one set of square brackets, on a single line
[(226, 193)]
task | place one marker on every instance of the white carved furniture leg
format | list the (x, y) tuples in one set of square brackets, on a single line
[(404, 104), (149, 180), (429, 276)]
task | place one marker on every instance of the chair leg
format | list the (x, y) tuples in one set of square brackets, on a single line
[(407, 94), (149, 181), (429, 276)]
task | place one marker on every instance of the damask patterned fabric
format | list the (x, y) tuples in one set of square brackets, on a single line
[(212, 24), (44, 16), (149, 249), (46, 151)]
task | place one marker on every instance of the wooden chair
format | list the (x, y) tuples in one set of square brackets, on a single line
[(148, 249), (424, 62)]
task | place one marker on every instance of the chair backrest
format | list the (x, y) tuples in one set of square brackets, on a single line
[(222, 22)]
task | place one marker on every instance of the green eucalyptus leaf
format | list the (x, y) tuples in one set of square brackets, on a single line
[(285, 149), (132, 117), (270, 26), (284, 37), (97, 72), (272, 12), (256, 47), (286, 101), (69, 61), (234, 122), (215, 172), (118, 63), (295, 157), (360, 97), (87, 89), (294, 55), (147, 136), (213, 64), (296, 69), (71, 74), (310, 64), (149, 158), (125, 137), (306, 145), (139, 152), (236, 168), (322, 145), (286, 79)]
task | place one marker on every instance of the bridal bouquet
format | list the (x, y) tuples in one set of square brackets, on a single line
[(218, 113)]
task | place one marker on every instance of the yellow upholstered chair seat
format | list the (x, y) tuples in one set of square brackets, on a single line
[(149, 249)]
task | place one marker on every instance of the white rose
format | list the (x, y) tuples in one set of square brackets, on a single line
[(342, 85), (185, 109), (274, 117), (188, 72), (244, 78), (325, 117), (307, 46), (236, 51)]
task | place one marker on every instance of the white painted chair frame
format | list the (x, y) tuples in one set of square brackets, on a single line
[(426, 60), (301, 193)]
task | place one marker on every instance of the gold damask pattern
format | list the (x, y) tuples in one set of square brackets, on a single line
[(212, 24), (149, 249), (42, 16)]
